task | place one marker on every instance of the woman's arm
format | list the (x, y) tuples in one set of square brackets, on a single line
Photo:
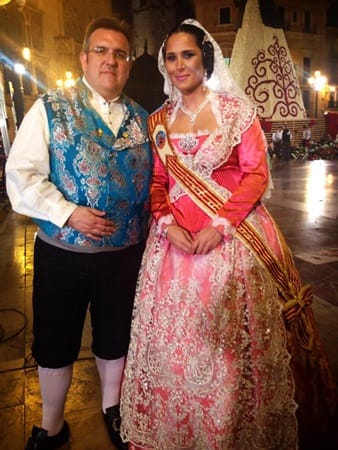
[(159, 197), (252, 163)]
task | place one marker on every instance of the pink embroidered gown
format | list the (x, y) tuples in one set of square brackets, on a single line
[(208, 364)]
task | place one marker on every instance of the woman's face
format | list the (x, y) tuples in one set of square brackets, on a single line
[(183, 62)]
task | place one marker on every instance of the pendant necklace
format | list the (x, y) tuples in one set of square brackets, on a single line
[(193, 114)]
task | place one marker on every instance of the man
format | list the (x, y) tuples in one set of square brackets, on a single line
[(306, 135), (277, 141), (286, 143), (81, 166)]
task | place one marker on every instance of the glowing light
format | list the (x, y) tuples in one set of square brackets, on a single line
[(19, 68), (318, 81), (67, 82), (315, 190), (330, 179), (26, 53), (69, 79)]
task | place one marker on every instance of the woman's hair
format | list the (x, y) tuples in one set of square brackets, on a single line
[(107, 23), (201, 41)]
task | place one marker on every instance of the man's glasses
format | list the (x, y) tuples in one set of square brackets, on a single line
[(119, 55)]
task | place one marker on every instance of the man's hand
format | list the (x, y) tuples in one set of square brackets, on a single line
[(91, 222)]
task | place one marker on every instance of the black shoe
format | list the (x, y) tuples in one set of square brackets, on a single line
[(113, 421), (41, 441)]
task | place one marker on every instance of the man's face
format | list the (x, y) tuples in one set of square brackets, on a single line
[(105, 65)]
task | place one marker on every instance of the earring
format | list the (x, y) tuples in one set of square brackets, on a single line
[(171, 90), (205, 79)]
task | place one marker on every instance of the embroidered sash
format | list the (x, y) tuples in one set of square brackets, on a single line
[(295, 297)]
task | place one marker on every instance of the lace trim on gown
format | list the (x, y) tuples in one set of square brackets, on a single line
[(208, 366)]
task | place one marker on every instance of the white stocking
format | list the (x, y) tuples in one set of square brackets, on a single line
[(54, 386), (110, 372)]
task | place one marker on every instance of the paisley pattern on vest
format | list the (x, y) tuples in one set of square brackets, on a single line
[(92, 167)]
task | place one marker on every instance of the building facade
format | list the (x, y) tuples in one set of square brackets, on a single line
[(311, 31), (40, 45), (52, 31), (153, 19)]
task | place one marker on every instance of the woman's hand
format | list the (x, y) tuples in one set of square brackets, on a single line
[(206, 240), (180, 238)]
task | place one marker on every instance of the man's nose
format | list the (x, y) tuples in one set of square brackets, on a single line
[(111, 56)]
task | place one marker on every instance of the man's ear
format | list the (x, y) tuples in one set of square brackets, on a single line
[(131, 62), (84, 61)]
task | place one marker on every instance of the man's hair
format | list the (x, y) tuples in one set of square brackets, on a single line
[(107, 23)]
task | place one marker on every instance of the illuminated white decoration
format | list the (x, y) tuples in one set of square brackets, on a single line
[(262, 65)]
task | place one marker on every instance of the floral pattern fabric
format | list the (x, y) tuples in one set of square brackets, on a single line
[(208, 366), (92, 167)]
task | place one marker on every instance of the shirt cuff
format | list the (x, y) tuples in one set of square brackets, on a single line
[(59, 216)]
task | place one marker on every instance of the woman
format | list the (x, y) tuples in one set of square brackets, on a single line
[(209, 364)]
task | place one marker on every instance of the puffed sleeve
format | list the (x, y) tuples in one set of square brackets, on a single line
[(159, 198), (252, 161)]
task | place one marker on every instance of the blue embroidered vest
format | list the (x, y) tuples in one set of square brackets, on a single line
[(92, 167)]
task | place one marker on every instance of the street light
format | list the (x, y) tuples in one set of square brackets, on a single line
[(317, 82), (20, 70), (26, 53), (67, 82)]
